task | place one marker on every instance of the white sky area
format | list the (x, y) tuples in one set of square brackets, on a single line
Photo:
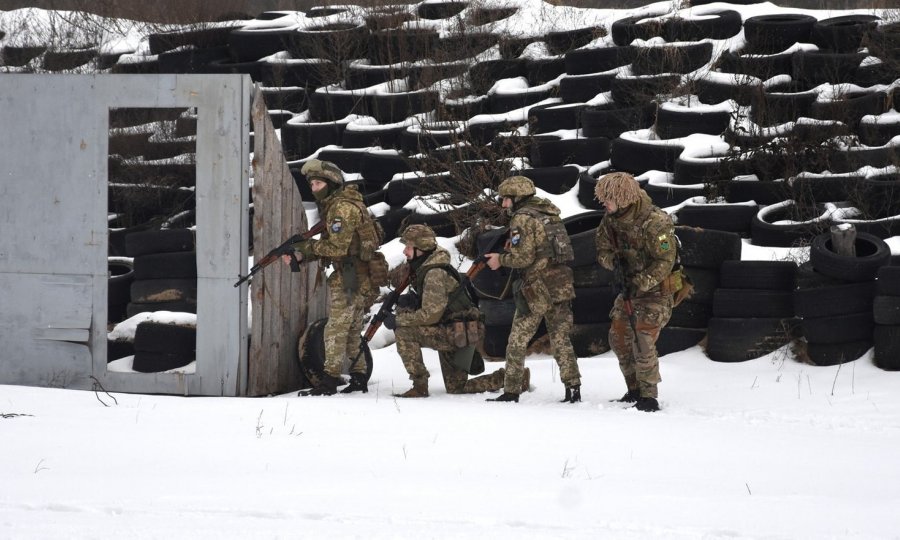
[(765, 449)]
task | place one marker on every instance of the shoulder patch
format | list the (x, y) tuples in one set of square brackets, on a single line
[(515, 236), (337, 224), (664, 243)]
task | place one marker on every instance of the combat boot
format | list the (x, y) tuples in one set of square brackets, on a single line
[(418, 390), (358, 383), (630, 396), (506, 396), (647, 404), (327, 386), (573, 394)]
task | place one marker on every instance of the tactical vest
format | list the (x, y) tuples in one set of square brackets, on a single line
[(458, 301), (368, 236), (557, 247)]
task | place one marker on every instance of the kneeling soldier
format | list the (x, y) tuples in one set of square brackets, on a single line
[(441, 317)]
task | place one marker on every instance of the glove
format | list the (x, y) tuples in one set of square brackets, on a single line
[(390, 322)]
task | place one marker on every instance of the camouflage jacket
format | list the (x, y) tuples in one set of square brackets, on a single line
[(343, 217), (437, 287), (529, 251), (645, 237)]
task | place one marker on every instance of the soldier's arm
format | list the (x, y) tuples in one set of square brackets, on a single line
[(436, 293), (605, 254), (342, 221), (522, 243), (659, 241)]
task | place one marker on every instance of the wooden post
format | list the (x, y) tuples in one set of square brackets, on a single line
[(843, 239), (281, 300)]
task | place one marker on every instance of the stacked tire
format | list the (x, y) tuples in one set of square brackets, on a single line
[(594, 295), (886, 311), (835, 299), (493, 288), (753, 309), (165, 271), (702, 253), (162, 347)]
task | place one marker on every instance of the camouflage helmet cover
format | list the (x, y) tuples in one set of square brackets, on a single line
[(419, 237), (323, 170), (619, 188), (515, 187)]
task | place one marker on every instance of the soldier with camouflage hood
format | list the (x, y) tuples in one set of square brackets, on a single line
[(538, 248), (345, 245), (637, 240), (431, 317)]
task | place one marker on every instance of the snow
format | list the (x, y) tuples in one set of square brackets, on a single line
[(768, 448)]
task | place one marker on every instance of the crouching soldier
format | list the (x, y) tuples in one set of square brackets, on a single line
[(637, 241), (440, 316), (543, 289)]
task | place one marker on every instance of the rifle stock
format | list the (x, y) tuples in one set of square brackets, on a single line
[(285, 248), (386, 308)]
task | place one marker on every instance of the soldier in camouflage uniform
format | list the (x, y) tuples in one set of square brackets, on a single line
[(543, 289), (345, 245), (637, 240), (438, 298)]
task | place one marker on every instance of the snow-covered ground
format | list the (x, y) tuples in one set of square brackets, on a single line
[(768, 448)]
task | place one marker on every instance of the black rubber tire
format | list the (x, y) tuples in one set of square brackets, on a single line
[(17, 56), (581, 88), (705, 280), (762, 192), (590, 339), (712, 92), (674, 339), (116, 350), (592, 305), (734, 218), (748, 303), (852, 107), (681, 122), (591, 275), (713, 25), (570, 151), (253, 43), (542, 70), (738, 340), (817, 67), (597, 59), (299, 140), (484, 74), (626, 30), (635, 91), (587, 185), (772, 275), (765, 229), (440, 10), (808, 278), (665, 195), (877, 133), (311, 352), (638, 156), (554, 180), (888, 282), (148, 291), (884, 41), (165, 338), (778, 107), (707, 248), (158, 362), (682, 58), (691, 315), (887, 347), (553, 117), (166, 265), (386, 137), (825, 188), (491, 283), (379, 168), (393, 108), (763, 67), (832, 354), (163, 241), (612, 122), (843, 34), (886, 310), (497, 337), (497, 312), (121, 275), (769, 34), (838, 328), (391, 221), (563, 41), (871, 254), (61, 60)]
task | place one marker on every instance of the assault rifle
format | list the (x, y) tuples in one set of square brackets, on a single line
[(621, 286), (286, 248)]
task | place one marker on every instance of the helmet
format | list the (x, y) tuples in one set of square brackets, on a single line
[(323, 170), (419, 237), (619, 188), (516, 187)]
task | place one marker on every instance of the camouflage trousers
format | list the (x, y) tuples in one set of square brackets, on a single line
[(411, 339), (344, 327), (638, 360), (559, 327)]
